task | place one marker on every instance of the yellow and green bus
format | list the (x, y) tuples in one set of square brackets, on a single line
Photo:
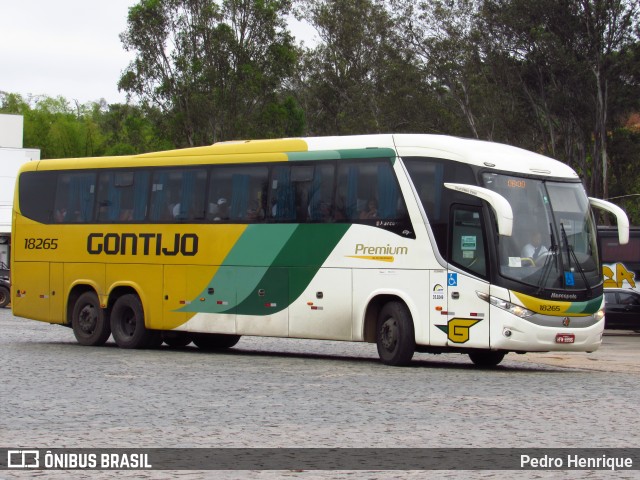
[(412, 242)]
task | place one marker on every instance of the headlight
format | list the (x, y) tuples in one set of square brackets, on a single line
[(599, 315), (504, 305)]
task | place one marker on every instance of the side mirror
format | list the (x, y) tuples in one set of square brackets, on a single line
[(621, 217), (500, 205)]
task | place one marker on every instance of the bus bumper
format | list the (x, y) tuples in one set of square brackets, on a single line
[(519, 335)]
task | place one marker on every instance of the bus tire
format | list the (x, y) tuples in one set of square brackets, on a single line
[(176, 339), (486, 358), (395, 336), (89, 322), (215, 341), (5, 296), (127, 324)]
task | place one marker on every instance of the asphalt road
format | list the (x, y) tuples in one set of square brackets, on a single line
[(269, 392)]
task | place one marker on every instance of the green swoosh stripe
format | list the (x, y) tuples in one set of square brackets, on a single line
[(589, 307), (279, 260), (342, 154)]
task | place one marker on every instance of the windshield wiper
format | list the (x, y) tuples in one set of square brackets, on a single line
[(571, 254), (546, 267)]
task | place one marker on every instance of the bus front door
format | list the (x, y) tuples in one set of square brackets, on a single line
[(467, 314)]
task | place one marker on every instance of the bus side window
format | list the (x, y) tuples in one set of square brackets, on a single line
[(302, 193), (368, 190), (467, 248), (191, 195), (282, 203), (75, 197), (122, 196), (237, 194), (178, 195), (38, 207), (320, 196)]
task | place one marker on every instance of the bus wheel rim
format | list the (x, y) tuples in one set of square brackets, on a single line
[(88, 319), (129, 323), (389, 334)]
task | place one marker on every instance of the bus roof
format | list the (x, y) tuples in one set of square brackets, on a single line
[(475, 152)]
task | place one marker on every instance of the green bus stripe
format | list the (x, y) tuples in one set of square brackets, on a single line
[(292, 270), (342, 154), (590, 306), (279, 259), (259, 245)]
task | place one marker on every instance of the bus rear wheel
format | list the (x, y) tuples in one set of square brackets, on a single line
[(395, 336), (215, 341), (486, 358), (5, 296), (89, 322), (127, 324)]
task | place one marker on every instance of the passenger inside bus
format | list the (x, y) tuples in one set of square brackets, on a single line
[(371, 211), (535, 248), (219, 211)]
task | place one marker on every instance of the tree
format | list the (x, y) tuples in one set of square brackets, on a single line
[(559, 49), (55, 126), (61, 129), (217, 71), (359, 77), (130, 129), (608, 28)]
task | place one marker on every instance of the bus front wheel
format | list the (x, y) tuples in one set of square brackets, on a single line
[(89, 322), (215, 341), (127, 324), (395, 336), (486, 358)]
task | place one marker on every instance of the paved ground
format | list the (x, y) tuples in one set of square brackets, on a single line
[(620, 352), (297, 393)]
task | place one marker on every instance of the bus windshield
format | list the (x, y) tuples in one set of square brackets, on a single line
[(554, 241)]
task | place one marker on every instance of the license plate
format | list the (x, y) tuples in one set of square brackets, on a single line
[(565, 338)]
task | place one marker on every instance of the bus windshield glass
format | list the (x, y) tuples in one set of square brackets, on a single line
[(554, 241)]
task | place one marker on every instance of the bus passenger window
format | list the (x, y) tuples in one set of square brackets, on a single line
[(321, 207), (237, 194), (122, 196), (368, 191), (74, 198), (178, 195)]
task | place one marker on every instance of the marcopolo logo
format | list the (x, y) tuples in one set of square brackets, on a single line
[(185, 244)]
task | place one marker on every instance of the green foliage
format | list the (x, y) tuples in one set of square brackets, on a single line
[(361, 78), (624, 185), (215, 69), (61, 130), (568, 57)]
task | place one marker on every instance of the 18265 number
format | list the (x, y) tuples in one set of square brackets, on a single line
[(40, 243)]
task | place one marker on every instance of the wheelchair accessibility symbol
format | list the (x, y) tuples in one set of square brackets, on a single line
[(452, 279)]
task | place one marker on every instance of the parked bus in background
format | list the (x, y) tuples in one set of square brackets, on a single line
[(620, 263), (414, 242)]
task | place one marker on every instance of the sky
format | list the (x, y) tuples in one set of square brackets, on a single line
[(68, 48), (63, 47)]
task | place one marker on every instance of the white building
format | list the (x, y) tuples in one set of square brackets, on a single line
[(12, 156)]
